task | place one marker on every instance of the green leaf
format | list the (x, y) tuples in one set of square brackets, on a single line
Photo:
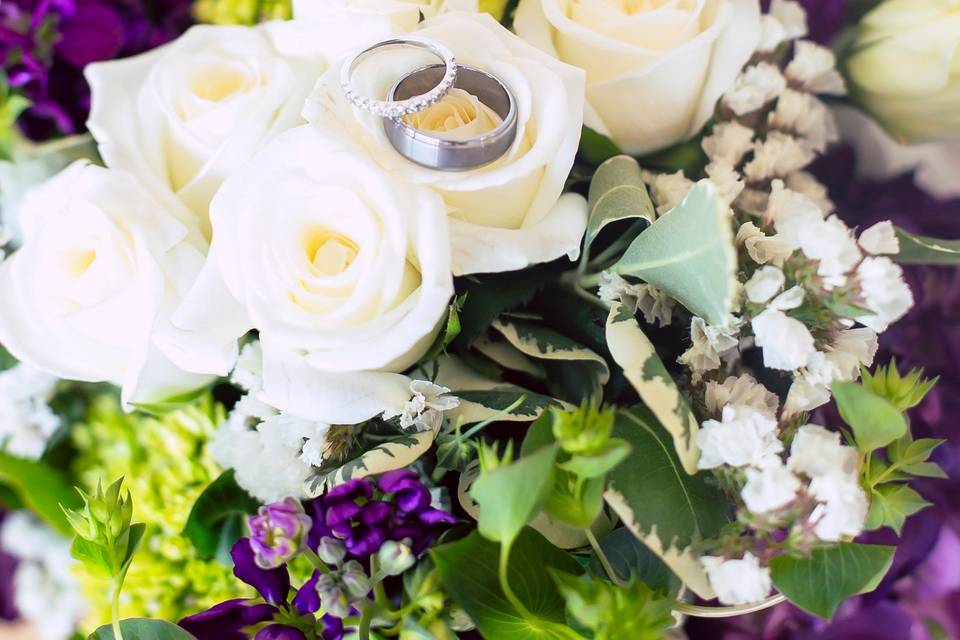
[(477, 406), (595, 147), (597, 464), (924, 470), (143, 629), (819, 584), (891, 506), (468, 572), (666, 508), (643, 368), (174, 403), (875, 422), (689, 253), (490, 295), (617, 192), (451, 329), (926, 250), (219, 510), (41, 488), (510, 496), (629, 557)]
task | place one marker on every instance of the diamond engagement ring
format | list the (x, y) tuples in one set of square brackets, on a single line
[(412, 103)]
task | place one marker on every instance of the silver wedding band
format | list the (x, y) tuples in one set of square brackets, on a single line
[(424, 87)]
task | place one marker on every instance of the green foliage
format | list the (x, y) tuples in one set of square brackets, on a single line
[(487, 296), (246, 12), (631, 559), (143, 629), (904, 392), (689, 253), (218, 517), (106, 539), (585, 431), (891, 505), (874, 420), (11, 106), (451, 329), (596, 148), (892, 500), (468, 572), (40, 488), (820, 582), (916, 249), (612, 612), (617, 192)]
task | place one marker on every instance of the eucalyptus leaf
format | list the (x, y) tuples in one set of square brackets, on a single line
[(617, 192), (916, 249), (143, 629), (666, 508), (875, 422), (468, 571), (386, 456), (221, 507), (510, 496), (41, 489), (819, 583), (690, 254), (643, 368), (595, 147)]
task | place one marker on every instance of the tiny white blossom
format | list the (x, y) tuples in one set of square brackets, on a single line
[(805, 184), (612, 287), (738, 581), (754, 88), (880, 238), (816, 452), (740, 390), (728, 142), (424, 411), (840, 362), (314, 449), (804, 396), (669, 189), (832, 244), (655, 305), (728, 180), (26, 420), (843, 508), (789, 211), (765, 283), (786, 342), (710, 343), (779, 155), (806, 116), (762, 248), (743, 436), (769, 487), (814, 67), (885, 292), (248, 372)]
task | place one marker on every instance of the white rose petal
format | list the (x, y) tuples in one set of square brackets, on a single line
[(404, 15), (765, 283), (670, 64), (744, 436), (880, 238), (738, 581)]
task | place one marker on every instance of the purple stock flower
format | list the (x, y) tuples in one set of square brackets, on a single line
[(278, 533), (45, 44), (364, 515)]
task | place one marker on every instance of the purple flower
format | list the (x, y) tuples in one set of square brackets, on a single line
[(278, 531)]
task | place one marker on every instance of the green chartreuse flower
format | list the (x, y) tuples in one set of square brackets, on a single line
[(242, 11)]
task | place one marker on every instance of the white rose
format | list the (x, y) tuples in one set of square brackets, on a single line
[(743, 436), (102, 267), (404, 15), (906, 65), (654, 75), (738, 581), (506, 215), (343, 268), (184, 116)]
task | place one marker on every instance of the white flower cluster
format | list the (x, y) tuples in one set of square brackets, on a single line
[(46, 593), (424, 411), (26, 420), (816, 492), (655, 305)]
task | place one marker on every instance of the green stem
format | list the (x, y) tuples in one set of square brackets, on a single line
[(315, 560), (620, 244), (379, 593), (602, 557), (364, 630), (116, 587)]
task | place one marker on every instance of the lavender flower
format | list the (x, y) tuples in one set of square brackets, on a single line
[(279, 531)]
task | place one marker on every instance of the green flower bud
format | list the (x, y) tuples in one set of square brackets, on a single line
[(331, 551), (584, 431), (355, 580), (395, 557)]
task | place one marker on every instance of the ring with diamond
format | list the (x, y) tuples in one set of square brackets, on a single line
[(435, 152), (412, 103)]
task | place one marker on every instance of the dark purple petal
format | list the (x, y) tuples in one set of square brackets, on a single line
[(436, 516), (94, 33), (227, 620), (332, 628), (340, 512), (363, 543), (374, 513), (349, 491), (307, 599), (279, 632), (393, 481), (272, 584)]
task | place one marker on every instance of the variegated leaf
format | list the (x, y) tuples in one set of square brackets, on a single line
[(387, 456), (633, 351), (667, 509), (689, 253), (916, 249), (476, 406), (617, 192)]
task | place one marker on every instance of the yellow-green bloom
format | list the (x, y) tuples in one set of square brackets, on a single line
[(905, 68), (241, 11), (166, 466)]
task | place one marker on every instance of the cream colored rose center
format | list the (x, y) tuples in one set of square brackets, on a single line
[(217, 84), (330, 253), (459, 116)]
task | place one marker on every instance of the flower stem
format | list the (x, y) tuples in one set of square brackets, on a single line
[(315, 560), (116, 587), (602, 557), (367, 617)]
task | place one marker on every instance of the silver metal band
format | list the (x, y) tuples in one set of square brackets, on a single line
[(413, 103), (454, 155)]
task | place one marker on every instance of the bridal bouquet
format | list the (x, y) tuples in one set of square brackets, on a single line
[(617, 375)]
